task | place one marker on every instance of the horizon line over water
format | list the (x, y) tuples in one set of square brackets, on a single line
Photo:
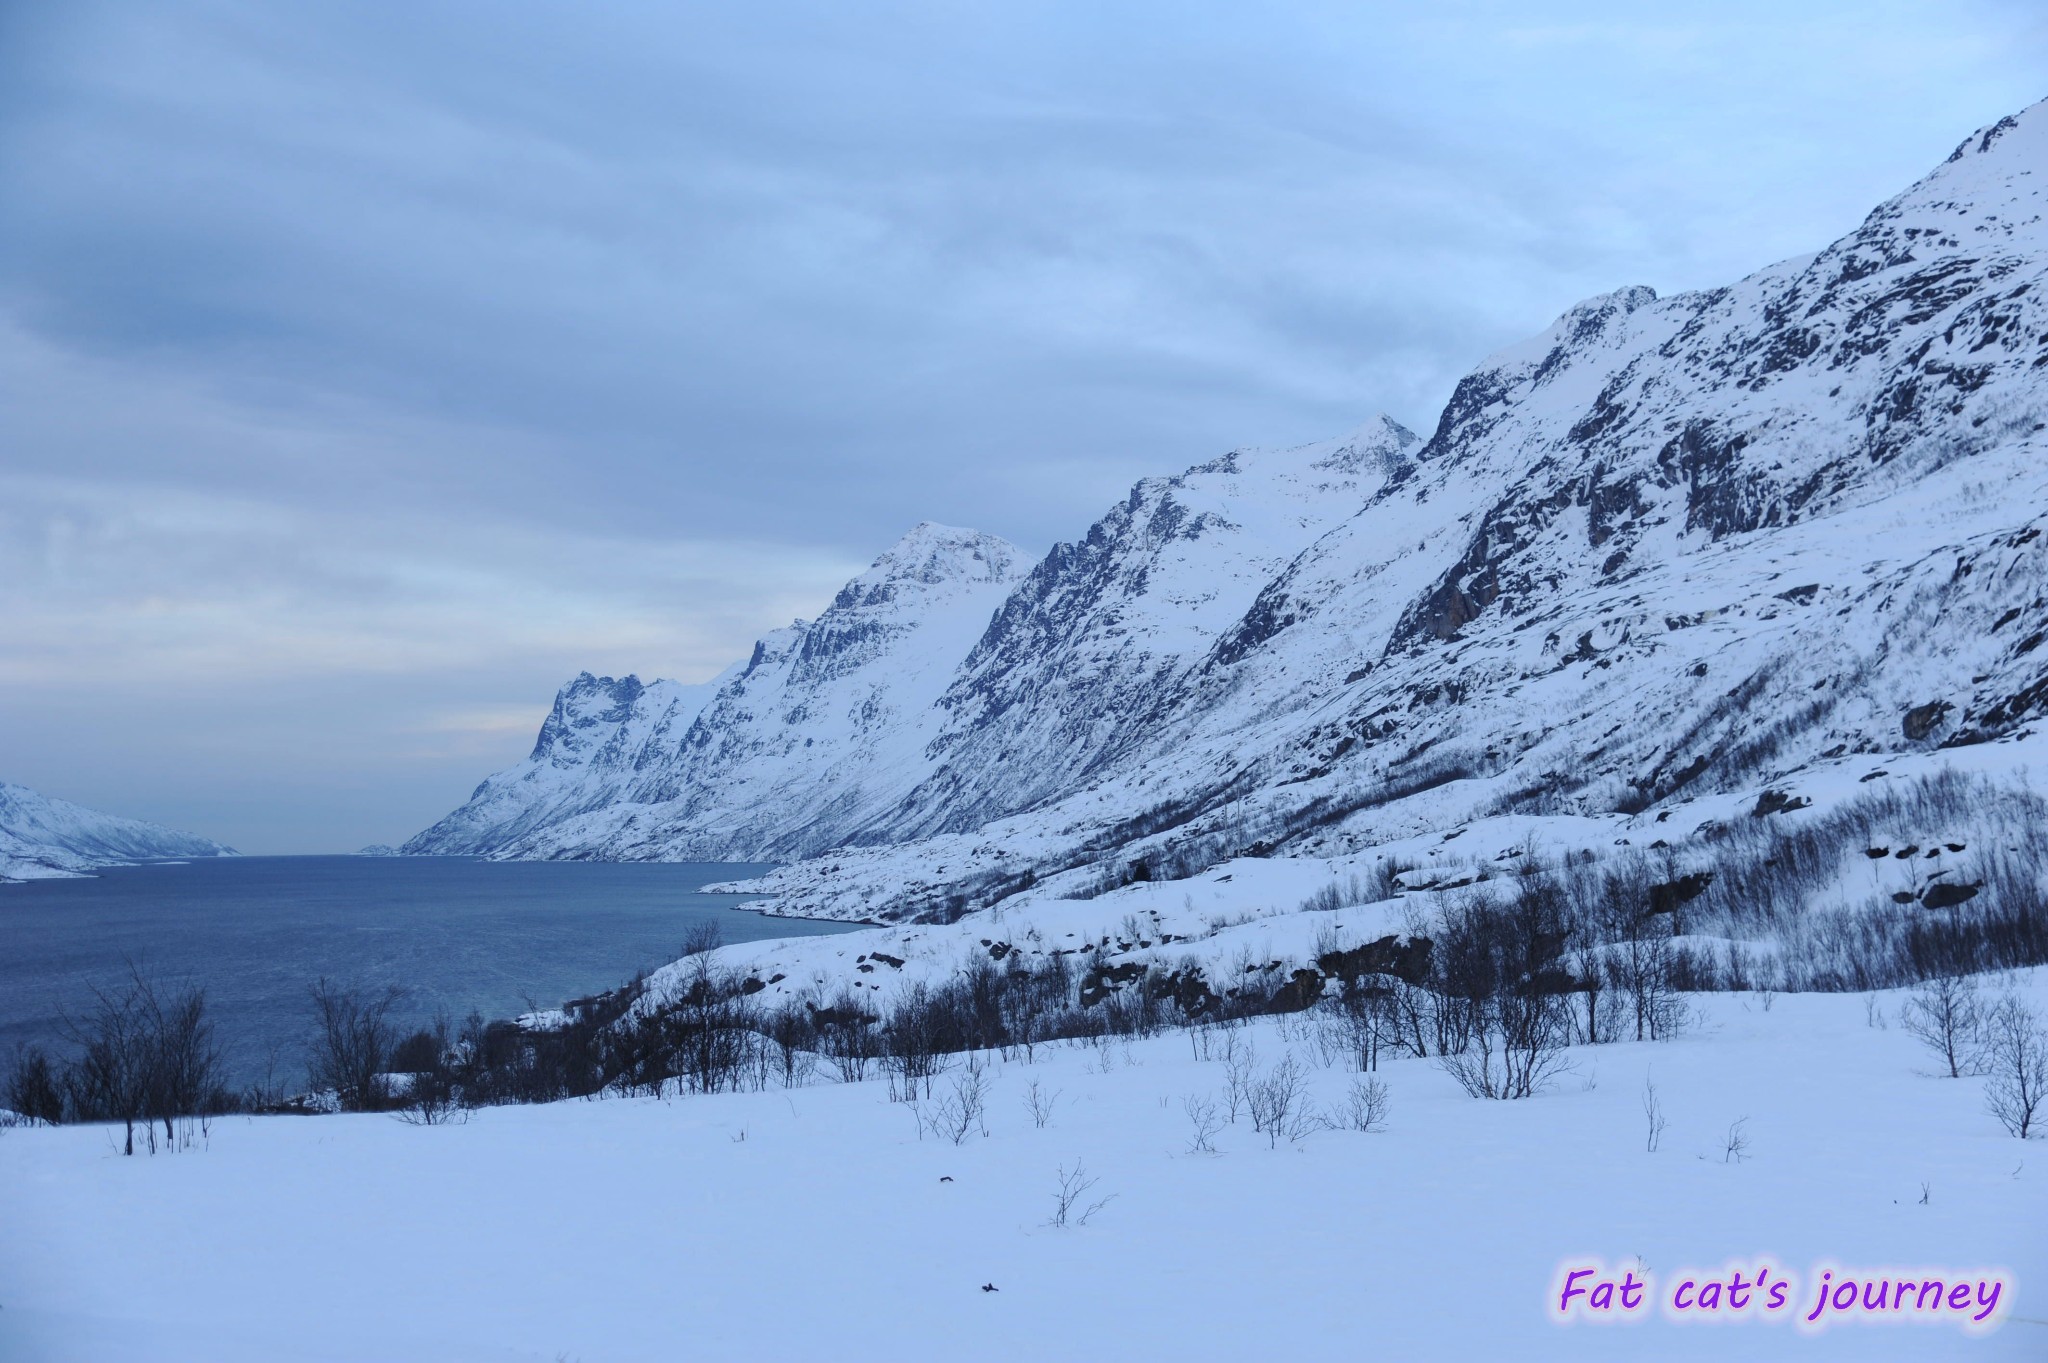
[(456, 933)]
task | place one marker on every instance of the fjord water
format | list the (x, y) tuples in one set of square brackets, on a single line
[(455, 932)]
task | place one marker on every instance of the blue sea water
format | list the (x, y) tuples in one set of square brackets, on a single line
[(456, 933)]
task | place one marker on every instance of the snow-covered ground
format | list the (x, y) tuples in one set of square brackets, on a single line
[(816, 1223)]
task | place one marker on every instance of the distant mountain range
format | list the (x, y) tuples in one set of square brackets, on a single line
[(1669, 547), (42, 837)]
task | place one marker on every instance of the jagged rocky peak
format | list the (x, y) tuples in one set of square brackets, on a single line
[(1378, 447), (2015, 144), (933, 555), (1381, 443), (1637, 427), (586, 711), (1504, 379), (1097, 642), (928, 573)]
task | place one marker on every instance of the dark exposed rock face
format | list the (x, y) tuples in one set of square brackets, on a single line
[(1922, 721), (1667, 898), (1946, 896), (1778, 802), (1405, 958)]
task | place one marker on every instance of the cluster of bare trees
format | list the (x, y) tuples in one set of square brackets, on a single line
[(1277, 1099), (143, 1055), (353, 1041), (2002, 1040), (1509, 980), (961, 1109), (1502, 992)]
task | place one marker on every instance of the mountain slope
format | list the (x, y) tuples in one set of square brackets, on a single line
[(1099, 641), (42, 837), (1669, 548), (782, 755), (599, 742)]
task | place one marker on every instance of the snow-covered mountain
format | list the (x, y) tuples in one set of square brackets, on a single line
[(1723, 541), (1098, 645), (795, 750), (42, 837), (597, 749)]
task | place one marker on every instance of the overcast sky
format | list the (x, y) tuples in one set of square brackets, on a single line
[(367, 370)]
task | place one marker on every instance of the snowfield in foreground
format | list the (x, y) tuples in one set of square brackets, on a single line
[(816, 1223)]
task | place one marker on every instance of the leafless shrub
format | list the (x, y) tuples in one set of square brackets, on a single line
[(702, 936), (1946, 1015), (1643, 961), (793, 1034), (1735, 1145), (1211, 1038), (1498, 972), (145, 1058), (849, 1036), (962, 1110), (352, 1042), (1240, 1059), (1653, 1114), (1357, 1024), (1279, 1104), (427, 1098), (426, 1094), (1040, 1104), (34, 1092), (1367, 1105), (1206, 1120), (913, 1046), (184, 1078), (711, 1036), (1074, 1185), (108, 1080), (2018, 1067)]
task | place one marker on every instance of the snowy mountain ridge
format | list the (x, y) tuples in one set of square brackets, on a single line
[(1706, 544), (42, 837), (823, 723)]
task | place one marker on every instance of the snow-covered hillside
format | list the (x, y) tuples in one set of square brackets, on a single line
[(904, 704), (42, 837), (792, 751), (1668, 548), (593, 752)]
